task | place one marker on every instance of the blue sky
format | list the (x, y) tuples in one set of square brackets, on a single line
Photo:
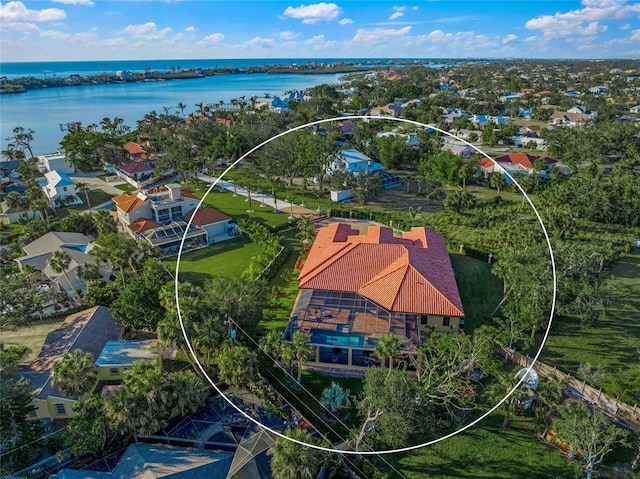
[(64, 30)]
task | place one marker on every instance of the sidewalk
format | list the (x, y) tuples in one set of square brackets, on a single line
[(260, 198)]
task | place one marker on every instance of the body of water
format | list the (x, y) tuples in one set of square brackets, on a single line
[(43, 110)]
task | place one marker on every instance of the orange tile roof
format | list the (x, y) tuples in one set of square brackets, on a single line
[(521, 158), (411, 274), (143, 224), (127, 202), (133, 148), (206, 216)]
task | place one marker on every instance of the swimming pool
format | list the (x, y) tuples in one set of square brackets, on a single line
[(336, 338)]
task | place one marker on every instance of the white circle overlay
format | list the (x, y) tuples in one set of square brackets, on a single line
[(385, 451)]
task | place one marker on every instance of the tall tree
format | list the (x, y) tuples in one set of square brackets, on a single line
[(302, 350), (59, 262), (590, 434)]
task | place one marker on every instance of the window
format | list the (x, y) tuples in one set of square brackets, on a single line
[(113, 371), (64, 188), (60, 410), (445, 321)]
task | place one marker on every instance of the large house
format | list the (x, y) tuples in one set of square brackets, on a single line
[(88, 331), (55, 161), (60, 190), (357, 287), (160, 217), (76, 245), (519, 163), (572, 117)]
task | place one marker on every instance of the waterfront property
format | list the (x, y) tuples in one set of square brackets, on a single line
[(160, 217), (356, 287), (55, 161)]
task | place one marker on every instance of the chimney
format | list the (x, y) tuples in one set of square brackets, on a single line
[(174, 191)]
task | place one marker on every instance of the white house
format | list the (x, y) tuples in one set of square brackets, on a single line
[(351, 160), (56, 161), (60, 189)]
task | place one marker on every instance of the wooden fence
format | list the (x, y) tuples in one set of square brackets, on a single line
[(614, 407)]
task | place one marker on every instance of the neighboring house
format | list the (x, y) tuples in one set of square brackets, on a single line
[(392, 109), (117, 357), (517, 163), (566, 118), (14, 215), (60, 190), (139, 165), (410, 139), (55, 161), (78, 247), (352, 161), (635, 109), (87, 330), (155, 461), (356, 287), (160, 216)]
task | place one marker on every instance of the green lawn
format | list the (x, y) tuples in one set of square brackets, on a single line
[(237, 206), (611, 342), (228, 258), (96, 197), (31, 336), (480, 291), (486, 451), (125, 187)]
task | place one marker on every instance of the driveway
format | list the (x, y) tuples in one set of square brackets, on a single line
[(96, 183)]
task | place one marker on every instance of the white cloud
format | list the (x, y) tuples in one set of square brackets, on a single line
[(363, 35), (635, 36), (55, 35), (566, 24), (259, 42), (315, 40), (288, 35), (509, 38), (88, 3), (626, 26), (345, 21), (399, 9), (190, 29), (396, 15), (530, 39), (17, 12), (147, 31), (314, 13), (212, 39)]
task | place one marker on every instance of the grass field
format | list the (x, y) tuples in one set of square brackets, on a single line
[(611, 342), (125, 187), (228, 258), (32, 337), (237, 206), (486, 451)]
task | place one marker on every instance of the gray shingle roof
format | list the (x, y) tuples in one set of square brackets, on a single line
[(88, 330), (156, 461)]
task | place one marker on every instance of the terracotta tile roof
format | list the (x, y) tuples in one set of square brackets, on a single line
[(127, 202), (206, 216), (518, 158), (411, 274), (143, 224), (134, 167), (133, 148)]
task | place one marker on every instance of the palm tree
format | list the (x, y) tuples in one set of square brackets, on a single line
[(189, 393), (59, 262), (498, 182), (305, 225), (104, 222), (181, 106), (85, 189), (292, 461), (236, 364), (88, 273), (388, 346), (497, 392), (335, 397), (74, 374), (302, 350)]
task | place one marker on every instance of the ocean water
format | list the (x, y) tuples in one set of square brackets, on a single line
[(43, 110)]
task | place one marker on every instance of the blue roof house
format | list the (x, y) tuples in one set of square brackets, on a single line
[(351, 160), (60, 190)]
